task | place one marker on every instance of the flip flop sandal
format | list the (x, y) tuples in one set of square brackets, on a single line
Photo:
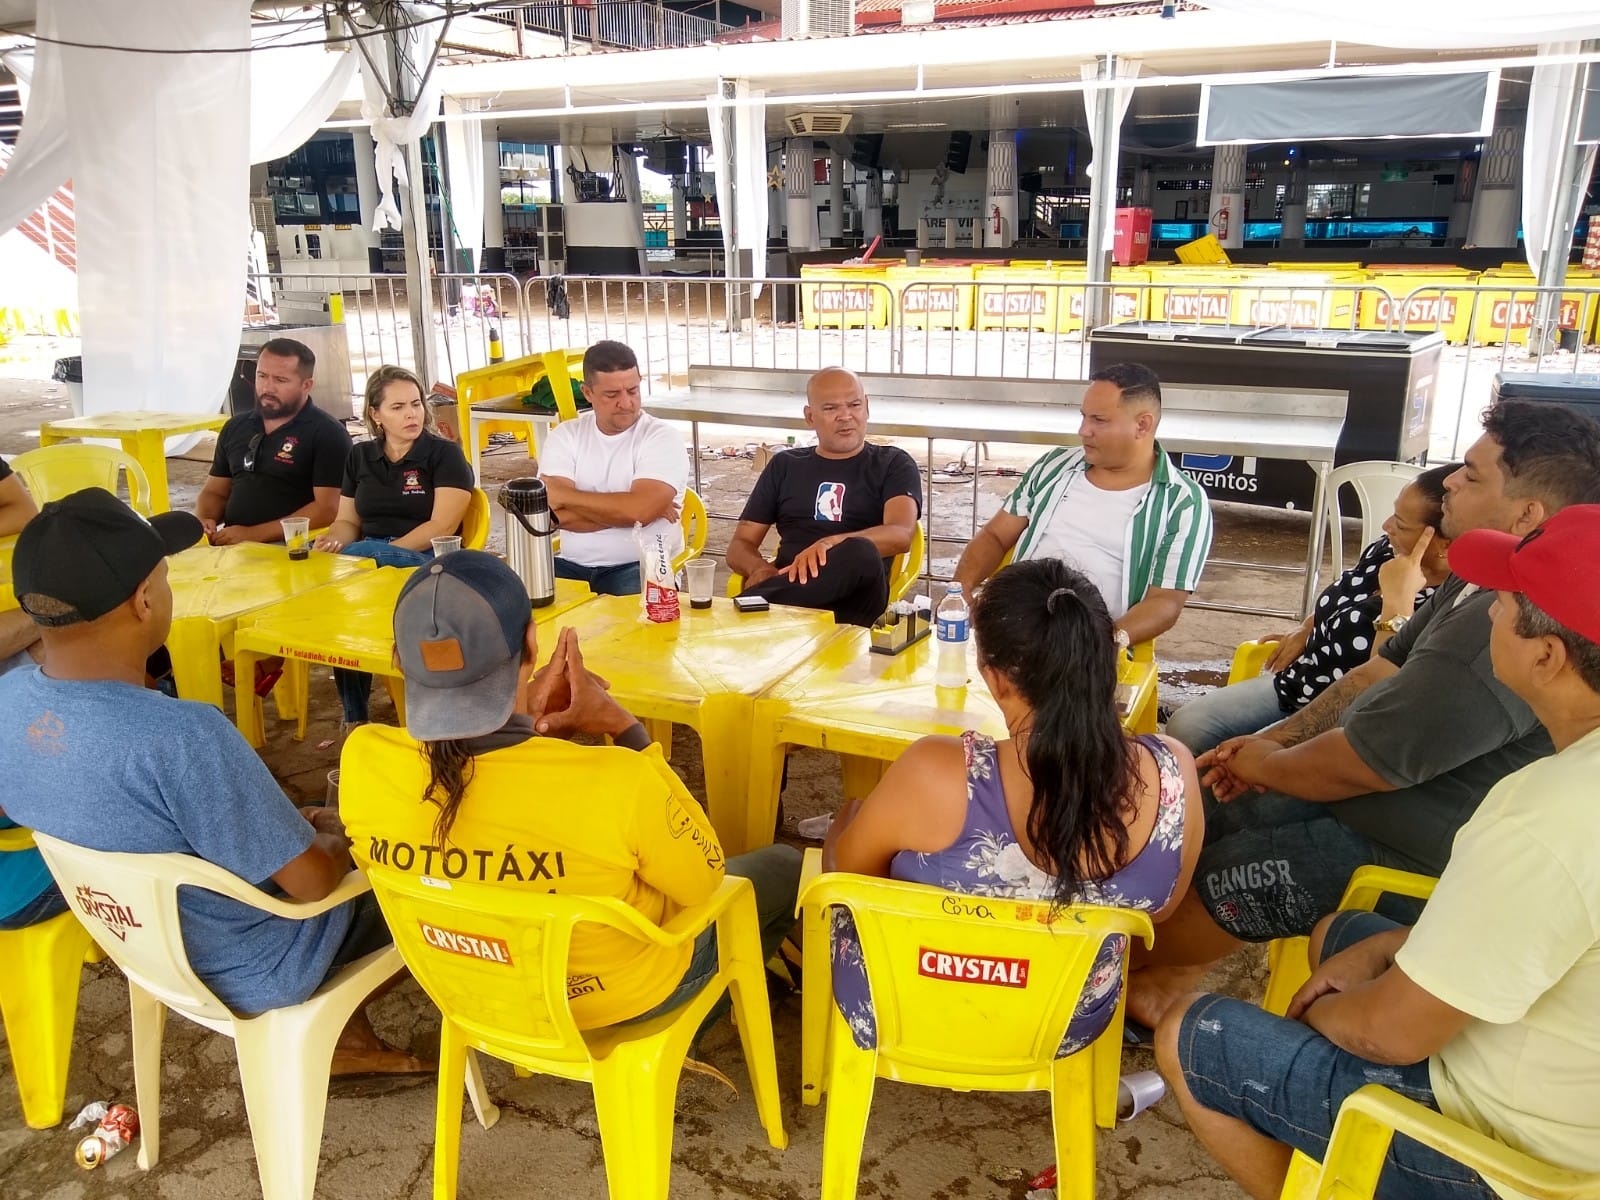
[(1135, 1033)]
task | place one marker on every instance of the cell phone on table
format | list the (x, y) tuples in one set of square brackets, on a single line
[(750, 604)]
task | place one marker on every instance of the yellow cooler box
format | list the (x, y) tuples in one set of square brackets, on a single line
[(1505, 316), (933, 297), (1128, 303), (1420, 302), (845, 296), (1201, 296), (1016, 298), (1298, 299)]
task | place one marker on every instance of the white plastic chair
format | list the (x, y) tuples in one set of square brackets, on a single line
[(1377, 485), (129, 904)]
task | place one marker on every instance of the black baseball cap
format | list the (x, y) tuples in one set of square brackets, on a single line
[(86, 553)]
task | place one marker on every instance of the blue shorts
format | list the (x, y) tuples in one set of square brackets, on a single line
[(1286, 1081)]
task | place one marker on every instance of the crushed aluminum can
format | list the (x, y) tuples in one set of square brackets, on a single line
[(115, 1127)]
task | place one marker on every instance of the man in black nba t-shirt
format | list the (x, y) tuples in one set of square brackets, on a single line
[(843, 509), (285, 459)]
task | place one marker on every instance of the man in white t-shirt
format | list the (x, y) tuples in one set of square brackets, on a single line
[(613, 468), (1486, 1009), (1115, 508)]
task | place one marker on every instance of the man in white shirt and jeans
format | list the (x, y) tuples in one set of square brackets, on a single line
[(1115, 508), (613, 468)]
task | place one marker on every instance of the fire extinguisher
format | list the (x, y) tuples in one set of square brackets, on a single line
[(996, 216)]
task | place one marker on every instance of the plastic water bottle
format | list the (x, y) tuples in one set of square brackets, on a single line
[(954, 628)]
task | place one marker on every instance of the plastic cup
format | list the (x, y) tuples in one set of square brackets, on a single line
[(331, 800), (702, 573), (445, 545), (297, 536)]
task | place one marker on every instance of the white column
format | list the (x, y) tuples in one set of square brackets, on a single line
[(833, 229), (628, 177), (1294, 209), (1227, 196), (494, 221), (800, 210), (367, 195), (1495, 210), (680, 211), (871, 205), (1000, 203)]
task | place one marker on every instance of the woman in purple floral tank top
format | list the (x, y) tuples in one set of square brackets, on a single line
[(1068, 808)]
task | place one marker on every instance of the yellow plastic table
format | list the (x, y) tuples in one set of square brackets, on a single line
[(143, 435), (704, 671), (348, 623), (213, 586), (868, 708), (8, 597)]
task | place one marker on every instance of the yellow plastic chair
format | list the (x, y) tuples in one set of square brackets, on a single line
[(129, 903), (1249, 660), (904, 569), (509, 998), (1367, 1123), (692, 515), (939, 1028), (1288, 959), (39, 1001), (52, 472), (515, 377), (475, 525)]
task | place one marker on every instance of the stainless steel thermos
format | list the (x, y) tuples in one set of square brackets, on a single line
[(530, 537)]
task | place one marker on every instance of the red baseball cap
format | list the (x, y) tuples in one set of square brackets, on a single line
[(1557, 566)]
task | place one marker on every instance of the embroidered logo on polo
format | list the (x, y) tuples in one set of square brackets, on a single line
[(830, 502), (285, 452), (411, 482)]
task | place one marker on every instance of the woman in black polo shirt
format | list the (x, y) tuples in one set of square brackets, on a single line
[(401, 490)]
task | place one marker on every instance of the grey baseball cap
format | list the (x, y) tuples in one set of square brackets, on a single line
[(459, 626)]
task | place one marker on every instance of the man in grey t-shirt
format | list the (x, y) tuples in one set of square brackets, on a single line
[(1392, 759)]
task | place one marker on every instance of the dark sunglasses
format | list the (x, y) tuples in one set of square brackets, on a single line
[(250, 451)]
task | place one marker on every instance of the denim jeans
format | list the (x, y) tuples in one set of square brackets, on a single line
[(384, 554), (1286, 1081), (355, 687), (623, 579), (1273, 866), (774, 873), (48, 903), (1239, 708)]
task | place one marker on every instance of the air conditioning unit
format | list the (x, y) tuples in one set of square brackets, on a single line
[(818, 124), (818, 18)]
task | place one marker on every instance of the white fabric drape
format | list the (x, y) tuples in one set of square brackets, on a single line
[(157, 149), (39, 162), (292, 91), (1549, 104), (1093, 98), (1419, 24), (463, 142), (394, 133)]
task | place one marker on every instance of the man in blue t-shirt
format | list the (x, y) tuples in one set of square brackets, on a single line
[(844, 508), (93, 758)]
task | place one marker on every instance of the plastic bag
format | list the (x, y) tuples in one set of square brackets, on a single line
[(659, 596)]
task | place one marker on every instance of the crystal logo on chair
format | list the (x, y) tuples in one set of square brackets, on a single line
[(117, 917), (973, 968)]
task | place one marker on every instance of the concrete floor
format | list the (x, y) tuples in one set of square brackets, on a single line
[(378, 1138)]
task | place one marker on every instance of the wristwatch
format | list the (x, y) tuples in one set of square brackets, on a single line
[(1393, 624)]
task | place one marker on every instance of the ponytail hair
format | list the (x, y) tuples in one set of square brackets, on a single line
[(1045, 627), (450, 768)]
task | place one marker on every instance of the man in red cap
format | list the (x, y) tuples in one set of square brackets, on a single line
[(1485, 1009)]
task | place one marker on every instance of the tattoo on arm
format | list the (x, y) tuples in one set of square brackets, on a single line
[(1322, 714)]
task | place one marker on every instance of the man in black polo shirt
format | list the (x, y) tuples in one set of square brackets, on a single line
[(844, 508), (285, 459)]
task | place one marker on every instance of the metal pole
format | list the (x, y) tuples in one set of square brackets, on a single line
[(1573, 165), (419, 261), (1102, 202)]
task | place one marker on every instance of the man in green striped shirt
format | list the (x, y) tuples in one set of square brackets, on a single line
[(1115, 508)]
